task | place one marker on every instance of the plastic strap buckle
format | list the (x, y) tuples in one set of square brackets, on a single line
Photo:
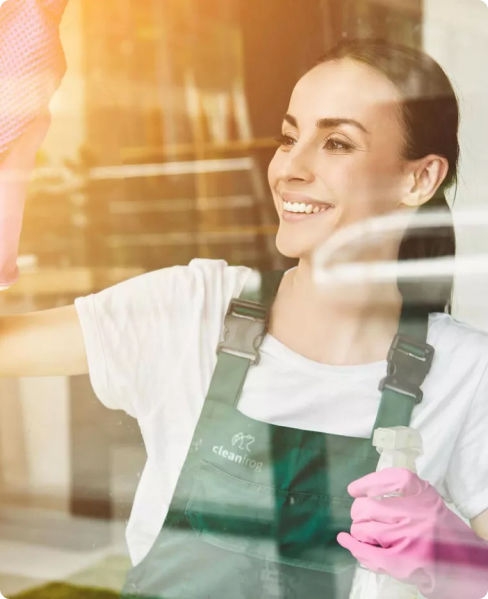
[(408, 364), (244, 329)]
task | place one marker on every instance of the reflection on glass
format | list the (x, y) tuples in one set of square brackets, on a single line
[(158, 152)]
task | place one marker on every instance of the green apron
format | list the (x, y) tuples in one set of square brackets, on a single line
[(257, 506)]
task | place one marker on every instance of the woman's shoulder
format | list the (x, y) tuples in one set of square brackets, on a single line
[(458, 338), (203, 276), (213, 269), (203, 287), (198, 273)]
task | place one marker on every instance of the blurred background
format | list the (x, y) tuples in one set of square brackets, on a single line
[(161, 135)]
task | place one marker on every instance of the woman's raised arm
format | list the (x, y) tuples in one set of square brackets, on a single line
[(48, 342)]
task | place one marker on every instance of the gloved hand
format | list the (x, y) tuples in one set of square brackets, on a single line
[(414, 537), (31, 67), (32, 63)]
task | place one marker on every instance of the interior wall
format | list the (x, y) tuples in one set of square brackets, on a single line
[(45, 414), (456, 34)]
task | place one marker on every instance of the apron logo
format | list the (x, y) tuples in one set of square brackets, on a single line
[(243, 441), (240, 442)]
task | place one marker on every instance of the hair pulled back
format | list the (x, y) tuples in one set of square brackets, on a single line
[(430, 115)]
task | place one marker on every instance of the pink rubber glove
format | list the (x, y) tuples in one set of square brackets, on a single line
[(31, 67), (414, 537), (32, 63)]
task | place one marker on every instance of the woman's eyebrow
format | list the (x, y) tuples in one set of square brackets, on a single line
[(326, 123)]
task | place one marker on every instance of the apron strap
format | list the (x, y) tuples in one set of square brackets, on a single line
[(409, 361), (245, 326)]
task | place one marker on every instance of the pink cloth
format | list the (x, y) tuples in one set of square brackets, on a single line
[(402, 527), (31, 67)]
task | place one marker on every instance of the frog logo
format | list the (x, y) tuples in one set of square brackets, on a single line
[(240, 442), (243, 441)]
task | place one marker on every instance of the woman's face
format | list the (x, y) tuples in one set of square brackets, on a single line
[(340, 158)]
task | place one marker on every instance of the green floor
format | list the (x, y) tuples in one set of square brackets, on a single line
[(101, 581), (60, 590)]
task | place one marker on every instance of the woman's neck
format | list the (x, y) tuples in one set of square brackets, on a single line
[(347, 323)]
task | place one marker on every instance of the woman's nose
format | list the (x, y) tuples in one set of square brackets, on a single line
[(298, 164)]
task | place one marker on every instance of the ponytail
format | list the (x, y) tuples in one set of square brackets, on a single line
[(434, 294)]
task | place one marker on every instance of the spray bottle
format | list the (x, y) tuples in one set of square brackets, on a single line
[(398, 446)]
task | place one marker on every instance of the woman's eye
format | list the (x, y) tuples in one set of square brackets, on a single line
[(333, 143), (284, 140)]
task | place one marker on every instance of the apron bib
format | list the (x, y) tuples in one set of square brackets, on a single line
[(257, 506)]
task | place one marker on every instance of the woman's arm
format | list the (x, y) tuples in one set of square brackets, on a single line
[(48, 342), (480, 525)]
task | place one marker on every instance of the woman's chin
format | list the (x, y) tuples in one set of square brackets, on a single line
[(291, 249)]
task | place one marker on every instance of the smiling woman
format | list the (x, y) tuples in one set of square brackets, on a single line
[(251, 452)]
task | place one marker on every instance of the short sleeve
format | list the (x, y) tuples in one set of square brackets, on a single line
[(143, 335), (467, 475)]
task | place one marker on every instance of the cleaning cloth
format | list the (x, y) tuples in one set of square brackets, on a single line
[(32, 65)]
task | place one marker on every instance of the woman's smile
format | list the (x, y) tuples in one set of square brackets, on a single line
[(297, 207), (299, 211)]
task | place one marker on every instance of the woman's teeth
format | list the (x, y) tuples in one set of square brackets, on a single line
[(304, 208)]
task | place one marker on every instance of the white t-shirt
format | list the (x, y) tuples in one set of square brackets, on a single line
[(151, 343)]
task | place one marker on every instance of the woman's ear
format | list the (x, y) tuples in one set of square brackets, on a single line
[(424, 178)]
